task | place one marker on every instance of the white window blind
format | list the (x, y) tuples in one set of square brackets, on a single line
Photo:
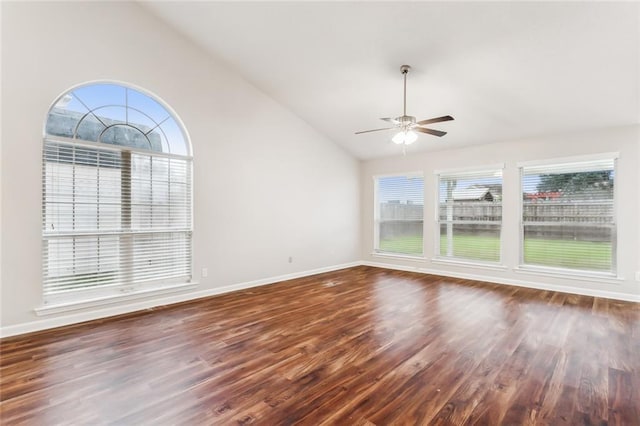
[(470, 215), (116, 206), (568, 215), (399, 214), (114, 218)]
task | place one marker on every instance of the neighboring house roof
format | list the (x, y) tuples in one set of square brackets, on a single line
[(471, 193), (63, 122), (551, 195)]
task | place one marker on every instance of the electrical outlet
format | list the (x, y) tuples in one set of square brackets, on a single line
[(290, 259), (638, 276), (205, 272)]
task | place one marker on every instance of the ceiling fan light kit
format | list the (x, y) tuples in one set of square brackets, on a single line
[(405, 137), (407, 124)]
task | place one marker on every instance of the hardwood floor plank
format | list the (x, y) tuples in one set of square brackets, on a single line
[(467, 397), (361, 346), (623, 391)]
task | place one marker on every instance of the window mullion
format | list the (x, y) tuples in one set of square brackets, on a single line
[(126, 240), (98, 211), (73, 210), (450, 185)]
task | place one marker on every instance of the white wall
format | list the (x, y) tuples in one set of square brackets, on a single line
[(624, 140), (266, 185)]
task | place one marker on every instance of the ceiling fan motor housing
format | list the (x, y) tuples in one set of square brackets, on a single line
[(406, 120)]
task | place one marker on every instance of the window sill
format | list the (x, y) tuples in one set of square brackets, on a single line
[(399, 256), (51, 309), (470, 264), (569, 274)]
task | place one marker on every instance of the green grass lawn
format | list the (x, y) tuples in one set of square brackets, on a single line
[(408, 245), (556, 253), (484, 248), (568, 254)]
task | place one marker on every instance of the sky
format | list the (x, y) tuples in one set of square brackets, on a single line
[(120, 103)]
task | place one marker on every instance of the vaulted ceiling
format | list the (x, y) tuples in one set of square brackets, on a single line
[(504, 70)]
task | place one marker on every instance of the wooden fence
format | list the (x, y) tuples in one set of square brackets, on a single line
[(589, 220)]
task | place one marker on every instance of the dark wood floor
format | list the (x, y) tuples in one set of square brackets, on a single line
[(357, 346)]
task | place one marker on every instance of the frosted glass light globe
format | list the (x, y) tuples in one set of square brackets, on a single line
[(405, 137)]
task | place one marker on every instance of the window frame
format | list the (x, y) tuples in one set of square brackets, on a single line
[(438, 258), (87, 297), (569, 272), (376, 217)]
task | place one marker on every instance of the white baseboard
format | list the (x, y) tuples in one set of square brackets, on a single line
[(111, 310), (68, 319), (510, 281)]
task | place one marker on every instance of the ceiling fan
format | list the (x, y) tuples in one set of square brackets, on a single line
[(407, 124)]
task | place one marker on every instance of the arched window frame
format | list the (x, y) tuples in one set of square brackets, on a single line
[(147, 244)]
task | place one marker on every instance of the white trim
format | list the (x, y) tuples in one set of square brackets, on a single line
[(463, 262), (58, 308), (411, 175), (609, 278), (114, 148), (508, 281), (520, 215), (572, 159), (401, 256), (376, 215), (59, 321), (615, 246), (470, 170), (394, 267)]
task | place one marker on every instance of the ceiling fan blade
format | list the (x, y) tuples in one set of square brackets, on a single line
[(391, 120), (430, 131), (436, 120), (374, 130)]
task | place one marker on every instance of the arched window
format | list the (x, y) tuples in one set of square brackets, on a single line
[(116, 195)]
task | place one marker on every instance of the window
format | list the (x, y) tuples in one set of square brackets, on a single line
[(470, 215), (116, 196), (568, 215), (399, 214)]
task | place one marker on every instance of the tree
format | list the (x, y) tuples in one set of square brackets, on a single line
[(576, 182)]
